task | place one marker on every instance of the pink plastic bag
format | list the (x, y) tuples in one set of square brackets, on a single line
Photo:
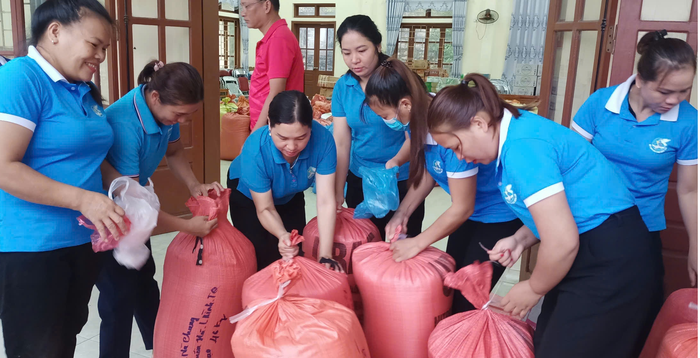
[(479, 333), (680, 307), (98, 244), (681, 341)]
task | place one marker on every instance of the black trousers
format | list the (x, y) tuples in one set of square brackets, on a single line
[(44, 300), (355, 196), (463, 246), (604, 305), (245, 218), (124, 295)]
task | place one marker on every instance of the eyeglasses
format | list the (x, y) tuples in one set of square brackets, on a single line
[(246, 8)]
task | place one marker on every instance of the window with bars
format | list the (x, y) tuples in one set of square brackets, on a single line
[(228, 43), (314, 10), (432, 42), (10, 46), (421, 13)]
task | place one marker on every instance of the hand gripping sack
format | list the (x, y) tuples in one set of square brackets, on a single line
[(349, 235), (403, 301), (681, 341), (680, 307), (310, 279), (297, 327), (380, 190), (479, 333), (202, 283)]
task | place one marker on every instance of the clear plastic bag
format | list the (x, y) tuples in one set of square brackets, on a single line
[(141, 206), (381, 192), (99, 244)]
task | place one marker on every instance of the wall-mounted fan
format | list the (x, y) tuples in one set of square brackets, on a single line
[(487, 16)]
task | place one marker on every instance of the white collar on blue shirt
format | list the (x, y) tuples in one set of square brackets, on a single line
[(505, 123), (51, 71), (615, 102), (429, 140)]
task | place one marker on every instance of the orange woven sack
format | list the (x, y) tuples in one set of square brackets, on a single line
[(202, 282), (296, 327), (681, 341), (403, 301), (480, 333), (349, 235), (312, 280), (235, 129), (680, 307)]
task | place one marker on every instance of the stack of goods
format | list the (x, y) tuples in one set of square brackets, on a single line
[(322, 108), (313, 280), (403, 301), (235, 127), (202, 286), (349, 235), (326, 84), (520, 101), (290, 326), (480, 332)]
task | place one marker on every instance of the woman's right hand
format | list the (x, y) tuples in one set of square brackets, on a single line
[(339, 200), (201, 225), (107, 216), (399, 219), (506, 251), (287, 250)]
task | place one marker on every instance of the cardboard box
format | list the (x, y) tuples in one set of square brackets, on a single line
[(444, 73), (420, 73), (326, 92), (539, 70), (537, 90), (525, 81), (434, 72), (523, 91), (325, 81), (420, 64), (525, 69)]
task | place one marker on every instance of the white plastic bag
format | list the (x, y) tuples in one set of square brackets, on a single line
[(141, 206)]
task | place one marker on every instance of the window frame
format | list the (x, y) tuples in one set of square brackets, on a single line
[(411, 42), (317, 11), (237, 51), (428, 15)]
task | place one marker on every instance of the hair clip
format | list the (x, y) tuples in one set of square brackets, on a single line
[(386, 63), (661, 34), (158, 66)]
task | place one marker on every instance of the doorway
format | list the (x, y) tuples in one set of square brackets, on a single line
[(317, 43)]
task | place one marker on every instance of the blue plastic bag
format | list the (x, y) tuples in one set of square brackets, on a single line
[(381, 192)]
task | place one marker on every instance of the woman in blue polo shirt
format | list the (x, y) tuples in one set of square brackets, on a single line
[(267, 181), (596, 265), (477, 216), (53, 138), (362, 139), (146, 124), (660, 128)]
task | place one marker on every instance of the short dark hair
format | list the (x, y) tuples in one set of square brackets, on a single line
[(290, 107), (275, 5), (67, 12), (363, 25), (661, 55), (176, 83)]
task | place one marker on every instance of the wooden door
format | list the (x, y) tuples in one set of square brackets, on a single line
[(170, 31), (636, 19), (577, 55), (318, 51)]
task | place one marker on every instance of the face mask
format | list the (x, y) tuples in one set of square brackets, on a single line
[(395, 124)]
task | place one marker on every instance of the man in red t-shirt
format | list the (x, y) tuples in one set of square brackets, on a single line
[(278, 62)]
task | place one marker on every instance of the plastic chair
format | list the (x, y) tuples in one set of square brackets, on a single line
[(243, 85)]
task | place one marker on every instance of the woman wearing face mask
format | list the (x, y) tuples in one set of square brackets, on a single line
[(660, 128), (146, 124), (267, 181), (53, 138), (477, 216), (597, 265), (373, 143)]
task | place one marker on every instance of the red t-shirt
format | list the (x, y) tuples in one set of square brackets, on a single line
[(277, 55)]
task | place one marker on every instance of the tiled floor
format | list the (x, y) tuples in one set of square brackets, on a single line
[(88, 339)]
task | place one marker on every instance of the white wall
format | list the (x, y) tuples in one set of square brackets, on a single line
[(484, 45)]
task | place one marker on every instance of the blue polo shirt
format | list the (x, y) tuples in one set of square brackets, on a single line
[(373, 143), (70, 140), (140, 141), (643, 151), (538, 158), (261, 167), (442, 164)]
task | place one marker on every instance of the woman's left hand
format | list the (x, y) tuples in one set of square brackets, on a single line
[(693, 267), (203, 189), (520, 299), (406, 249)]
